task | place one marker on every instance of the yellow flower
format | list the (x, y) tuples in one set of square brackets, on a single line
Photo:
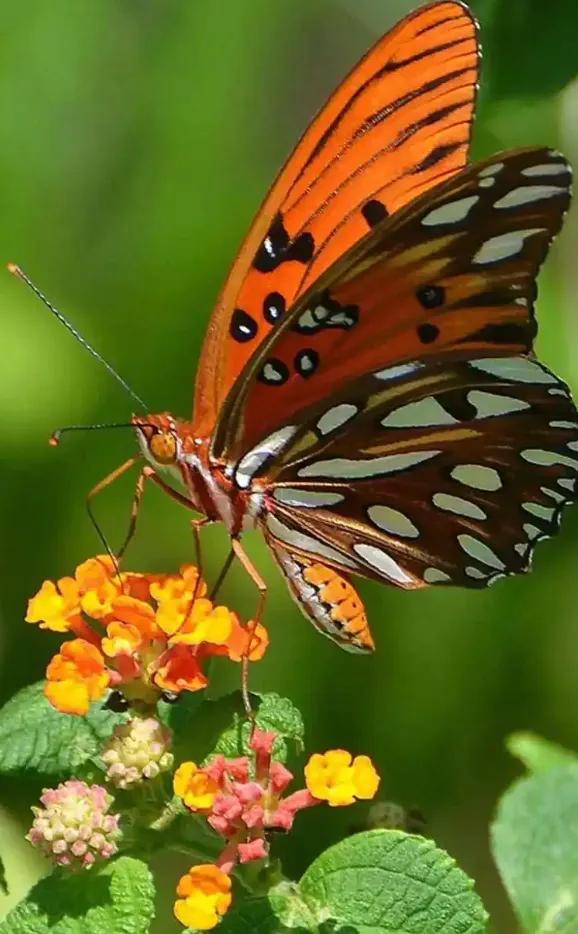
[(194, 786), (206, 623), (97, 588), (205, 896), (336, 777), (55, 607)]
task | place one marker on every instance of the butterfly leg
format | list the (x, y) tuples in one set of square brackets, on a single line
[(147, 473), (253, 573)]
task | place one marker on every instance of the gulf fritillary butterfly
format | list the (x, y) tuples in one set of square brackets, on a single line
[(367, 395)]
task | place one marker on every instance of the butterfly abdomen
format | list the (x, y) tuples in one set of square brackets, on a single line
[(328, 599)]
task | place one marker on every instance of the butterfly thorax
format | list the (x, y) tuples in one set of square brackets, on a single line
[(176, 450)]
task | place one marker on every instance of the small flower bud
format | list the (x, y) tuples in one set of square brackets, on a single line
[(74, 828), (137, 750)]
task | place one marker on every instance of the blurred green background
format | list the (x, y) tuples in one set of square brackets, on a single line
[(136, 141)]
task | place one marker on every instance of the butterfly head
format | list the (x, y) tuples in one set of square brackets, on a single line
[(158, 436)]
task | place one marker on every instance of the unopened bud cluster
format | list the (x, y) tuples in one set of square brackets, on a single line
[(137, 750), (73, 827)]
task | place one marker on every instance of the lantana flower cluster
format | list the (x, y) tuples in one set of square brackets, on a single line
[(145, 636), (142, 633), (242, 799)]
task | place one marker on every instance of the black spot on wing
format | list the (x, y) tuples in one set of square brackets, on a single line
[(431, 296), (427, 332), (243, 327), (277, 248), (274, 307), (374, 212)]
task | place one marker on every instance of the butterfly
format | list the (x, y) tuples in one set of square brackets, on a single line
[(368, 396)]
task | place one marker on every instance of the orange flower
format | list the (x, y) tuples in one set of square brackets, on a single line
[(251, 641), (178, 669), (197, 789), (76, 676), (204, 897), (155, 631), (336, 777)]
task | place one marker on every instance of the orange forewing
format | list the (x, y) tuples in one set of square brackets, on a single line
[(398, 125), (487, 308)]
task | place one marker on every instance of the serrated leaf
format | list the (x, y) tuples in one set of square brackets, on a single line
[(282, 909), (538, 754), (273, 713), (116, 900), (390, 881), (35, 736), (222, 726), (534, 841)]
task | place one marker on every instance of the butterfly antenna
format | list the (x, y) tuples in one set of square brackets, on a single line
[(56, 435), (20, 274)]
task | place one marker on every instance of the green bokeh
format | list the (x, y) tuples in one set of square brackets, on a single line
[(136, 140)]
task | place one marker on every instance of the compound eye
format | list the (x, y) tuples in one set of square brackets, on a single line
[(163, 447)]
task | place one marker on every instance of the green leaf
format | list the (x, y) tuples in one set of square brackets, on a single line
[(534, 844), (33, 735), (387, 880), (3, 882), (273, 713), (221, 726), (538, 754), (119, 899), (258, 916), (515, 24)]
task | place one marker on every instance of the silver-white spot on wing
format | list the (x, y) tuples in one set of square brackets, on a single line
[(541, 512), (487, 182), (403, 369), (307, 543), (558, 391), (489, 403), (572, 445), (459, 506), (567, 484), (435, 576), (478, 477), (514, 369), (336, 417), (527, 194), (344, 468), (532, 531), (544, 458), (504, 245), (392, 521), (423, 413), (490, 170), (251, 462), (557, 497), (451, 212), (476, 573), (480, 551), (548, 168), (310, 499), (571, 426), (380, 561)]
